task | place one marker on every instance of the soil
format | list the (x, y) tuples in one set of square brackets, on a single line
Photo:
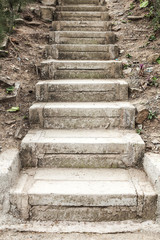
[(26, 50), (54, 236)]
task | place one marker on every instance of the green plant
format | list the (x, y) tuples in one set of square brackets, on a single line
[(128, 56), (153, 82), (158, 60), (9, 10), (152, 115), (125, 66), (152, 38), (144, 3), (132, 6), (13, 109), (139, 130), (9, 89)]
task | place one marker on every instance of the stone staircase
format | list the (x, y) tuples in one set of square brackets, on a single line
[(80, 160)]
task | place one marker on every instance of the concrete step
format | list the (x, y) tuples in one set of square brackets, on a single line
[(81, 52), (48, 2), (63, 69), (96, 26), (82, 37), (81, 90), (82, 115), (81, 16), (92, 195), (82, 8), (81, 148), (77, 2)]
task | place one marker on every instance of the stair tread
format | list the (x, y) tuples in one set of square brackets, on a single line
[(82, 136), (82, 81), (83, 187), (83, 105), (79, 61)]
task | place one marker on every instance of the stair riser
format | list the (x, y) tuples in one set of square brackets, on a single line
[(81, 155), (82, 16), (80, 70), (81, 26), (95, 214), (83, 53), (76, 2), (82, 38), (112, 92), (82, 8), (78, 118)]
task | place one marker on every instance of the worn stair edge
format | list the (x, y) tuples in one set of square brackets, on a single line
[(81, 16), (81, 52), (82, 148), (81, 90), (81, 8), (83, 115), (82, 37), (84, 195), (151, 165), (79, 2), (82, 26), (83, 69), (9, 173)]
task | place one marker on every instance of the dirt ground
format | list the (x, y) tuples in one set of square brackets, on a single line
[(78, 236), (25, 51)]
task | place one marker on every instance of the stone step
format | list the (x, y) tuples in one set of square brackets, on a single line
[(81, 52), (81, 90), (96, 26), (82, 115), (82, 8), (77, 2), (81, 148), (82, 37), (92, 195), (81, 16), (48, 2), (63, 69)]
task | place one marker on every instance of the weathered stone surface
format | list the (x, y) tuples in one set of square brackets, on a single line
[(47, 13), (81, 26), (81, 16), (81, 90), (124, 148), (82, 52), (152, 168), (82, 37), (142, 114), (82, 8), (82, 115), (153, 57), (63, 69), (49, 2), (82, 195), (9, 172), (73, 2)]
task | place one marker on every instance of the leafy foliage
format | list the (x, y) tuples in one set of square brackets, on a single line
[(9, 10)]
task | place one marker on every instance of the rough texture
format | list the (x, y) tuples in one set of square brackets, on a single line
[(152, 168), (81, 90), (120, 148), (84, 195), (82, 37), (63, 69), (80, 116), (82, 52), (9, 172)]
